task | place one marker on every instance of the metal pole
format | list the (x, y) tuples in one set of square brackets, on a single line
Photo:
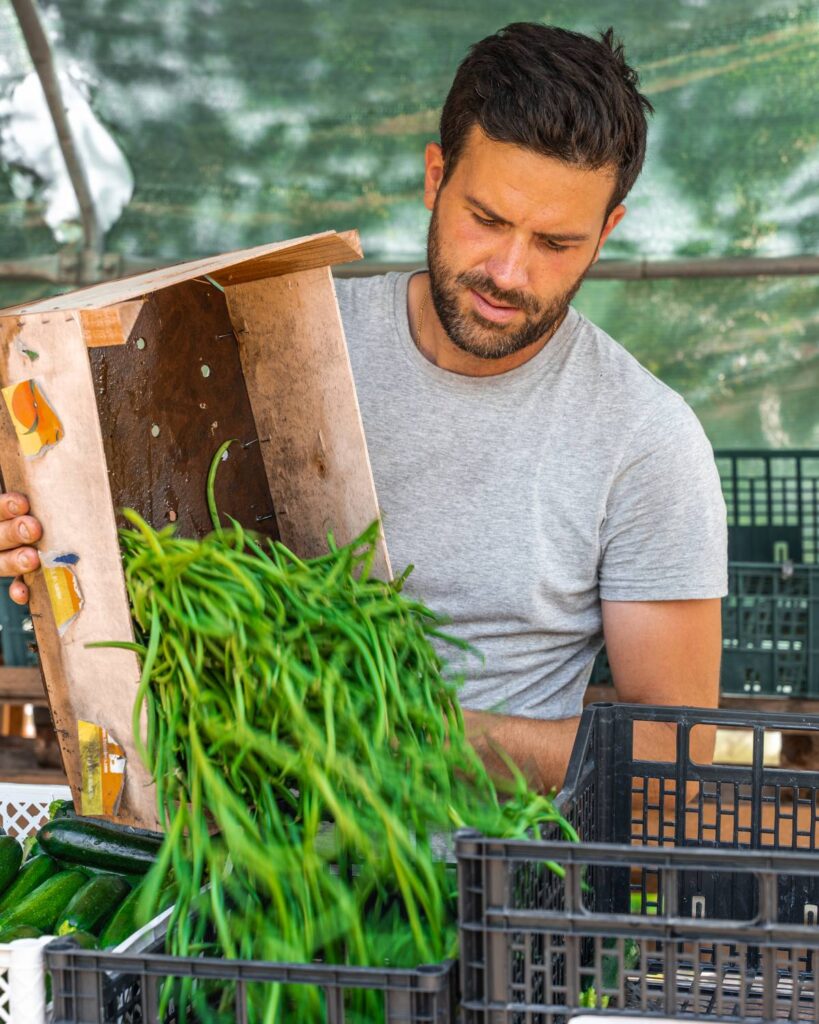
[(59, 269), (644, 270), (43, 60)]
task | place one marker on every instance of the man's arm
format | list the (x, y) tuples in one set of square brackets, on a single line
[(660, 652), (540, 747), (666, 652)]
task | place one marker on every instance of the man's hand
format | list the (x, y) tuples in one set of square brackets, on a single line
[(539, 747), (18, 530)]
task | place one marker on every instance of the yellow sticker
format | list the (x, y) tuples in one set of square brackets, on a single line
[(37, 425), (63, 587), (102, 760)]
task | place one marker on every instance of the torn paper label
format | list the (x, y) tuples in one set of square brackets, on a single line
[(37, 425), (63, 587), (102, 761), (29, 353)]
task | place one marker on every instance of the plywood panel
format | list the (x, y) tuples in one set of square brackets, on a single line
[(166, 402), (68, 489), (243, 265), (300, 383)]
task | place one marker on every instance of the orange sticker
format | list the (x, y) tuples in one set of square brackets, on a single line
[(37, 425), (102, 761), (63, 588)]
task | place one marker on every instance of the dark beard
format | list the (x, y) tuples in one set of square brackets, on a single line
[(470, 332)]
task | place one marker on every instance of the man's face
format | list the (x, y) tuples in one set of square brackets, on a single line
[(511, 237)]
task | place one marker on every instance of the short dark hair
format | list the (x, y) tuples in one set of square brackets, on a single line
[(558, 93)]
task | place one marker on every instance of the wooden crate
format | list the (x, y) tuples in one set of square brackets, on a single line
[(147, 376)]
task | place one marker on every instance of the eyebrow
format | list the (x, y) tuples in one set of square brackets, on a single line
[(549, 236)]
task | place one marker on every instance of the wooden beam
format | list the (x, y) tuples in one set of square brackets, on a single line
[(18, 763), (21, 685), (111, 325), (274, 259), (309, 255)]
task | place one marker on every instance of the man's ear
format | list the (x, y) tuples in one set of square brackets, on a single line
[(612, 221), (433, 173)]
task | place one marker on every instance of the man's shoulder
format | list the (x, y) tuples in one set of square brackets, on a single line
[(624, 381), (360, 293)]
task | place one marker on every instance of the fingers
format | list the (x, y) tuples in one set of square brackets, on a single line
[(13, 504), (19, 531), (18, 561)]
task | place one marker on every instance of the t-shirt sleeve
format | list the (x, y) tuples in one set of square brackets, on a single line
[(664, 537)]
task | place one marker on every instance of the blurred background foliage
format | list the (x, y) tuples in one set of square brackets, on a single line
[(254, 120)]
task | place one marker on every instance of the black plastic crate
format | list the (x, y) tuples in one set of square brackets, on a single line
[(91, 987), (700, 900), (770, 631), (772, 498)]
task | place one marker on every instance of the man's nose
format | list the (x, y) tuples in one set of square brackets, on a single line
[(508, 266)]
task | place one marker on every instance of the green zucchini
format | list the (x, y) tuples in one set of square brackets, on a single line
[(127, 919), (31, 875), (89, 908), (100, 844), (45, 904), (20, 931), (124, 922), (11, 857)]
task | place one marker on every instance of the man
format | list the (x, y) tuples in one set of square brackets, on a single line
[(541, 481), (546, 487)]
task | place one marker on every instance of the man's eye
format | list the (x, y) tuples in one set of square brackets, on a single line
[(553, 246), (483, 220)]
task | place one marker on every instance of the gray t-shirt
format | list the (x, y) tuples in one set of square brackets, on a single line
[(525, 498)]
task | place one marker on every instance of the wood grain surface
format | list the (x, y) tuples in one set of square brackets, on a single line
[(295, 254), (166, 401), (300, 383), (68, 487)]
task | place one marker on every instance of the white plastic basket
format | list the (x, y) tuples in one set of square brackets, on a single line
[(23, 809)]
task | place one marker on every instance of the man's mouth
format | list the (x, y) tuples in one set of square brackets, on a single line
[(490, 310)]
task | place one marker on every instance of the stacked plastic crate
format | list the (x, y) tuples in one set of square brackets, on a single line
[(770, 618), (771, 615), (693, 893)]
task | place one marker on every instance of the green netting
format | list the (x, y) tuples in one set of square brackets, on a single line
[(245, 121), (252, 120), (743, 352)]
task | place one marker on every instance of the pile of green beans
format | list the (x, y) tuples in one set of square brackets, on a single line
[(309, 752)]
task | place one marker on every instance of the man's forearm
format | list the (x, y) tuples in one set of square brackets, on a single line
[(539, 747)]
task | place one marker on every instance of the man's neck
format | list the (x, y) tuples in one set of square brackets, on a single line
[(436, 345)]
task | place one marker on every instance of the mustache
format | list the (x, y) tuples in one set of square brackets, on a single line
[(487, 286)]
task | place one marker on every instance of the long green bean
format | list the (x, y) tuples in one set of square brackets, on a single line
[(308, 748)]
